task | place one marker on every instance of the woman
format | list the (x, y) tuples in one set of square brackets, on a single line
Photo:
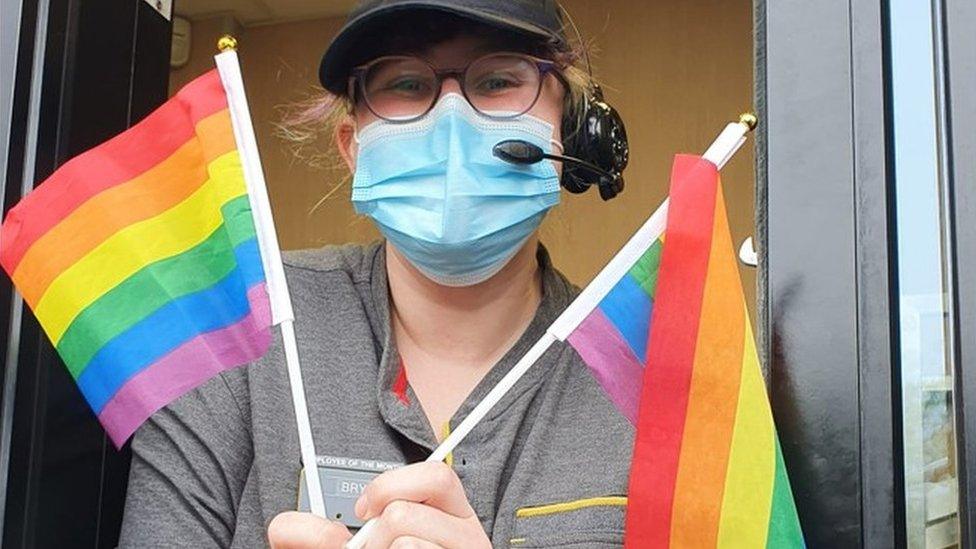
[(402, 338)]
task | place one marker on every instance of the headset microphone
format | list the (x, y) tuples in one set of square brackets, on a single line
[(517, 151)]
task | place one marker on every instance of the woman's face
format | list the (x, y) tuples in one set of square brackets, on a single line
[(455, 54)]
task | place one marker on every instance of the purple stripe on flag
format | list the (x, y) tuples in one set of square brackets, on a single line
[(611, 360), (189, 366)]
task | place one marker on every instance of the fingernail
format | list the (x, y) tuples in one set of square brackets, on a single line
[(361, 507)]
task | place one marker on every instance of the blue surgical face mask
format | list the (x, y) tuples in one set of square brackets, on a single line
[(436, 191)]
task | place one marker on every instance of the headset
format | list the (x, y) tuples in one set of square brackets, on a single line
[(594, 142)]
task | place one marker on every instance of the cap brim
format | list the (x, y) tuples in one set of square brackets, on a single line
[(336, 65)]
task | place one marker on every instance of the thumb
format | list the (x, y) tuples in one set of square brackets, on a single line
[(293, 530)]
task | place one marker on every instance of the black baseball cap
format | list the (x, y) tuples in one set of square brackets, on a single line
[(536, 18)]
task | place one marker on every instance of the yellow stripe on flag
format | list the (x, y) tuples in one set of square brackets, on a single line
[(129, 250), (752, 463)]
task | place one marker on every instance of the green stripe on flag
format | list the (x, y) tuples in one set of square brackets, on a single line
[(238, 221), (784, 522), (156, 284), (646, 269)]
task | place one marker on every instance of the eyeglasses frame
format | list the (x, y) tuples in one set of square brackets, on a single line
[(357, 82)]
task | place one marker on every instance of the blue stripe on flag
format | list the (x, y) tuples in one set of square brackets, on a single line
[(170, 326), (628, 307), (249, 262)]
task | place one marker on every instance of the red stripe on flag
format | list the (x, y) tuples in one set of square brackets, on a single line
[(116, 161), (671, 352)]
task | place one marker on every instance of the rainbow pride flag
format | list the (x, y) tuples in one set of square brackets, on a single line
[(141, 262), (672, 346)]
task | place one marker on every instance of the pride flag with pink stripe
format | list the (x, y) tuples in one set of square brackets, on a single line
[(140, 260), (672, 346)]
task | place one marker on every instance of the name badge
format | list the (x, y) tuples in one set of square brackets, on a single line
[(343, 481)]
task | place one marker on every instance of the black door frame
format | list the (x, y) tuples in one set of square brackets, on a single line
[(959, 53), (822, 175), (828, 285), (85, 71)]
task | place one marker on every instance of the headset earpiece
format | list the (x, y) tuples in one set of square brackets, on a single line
[(596, 135)]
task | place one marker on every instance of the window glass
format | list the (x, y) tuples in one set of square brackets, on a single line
[(931, 481)]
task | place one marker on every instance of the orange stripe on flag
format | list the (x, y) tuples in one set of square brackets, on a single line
[(712, 397), (147, 195)]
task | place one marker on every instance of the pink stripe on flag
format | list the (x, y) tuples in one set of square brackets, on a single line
[(610, 359), (189, 366)]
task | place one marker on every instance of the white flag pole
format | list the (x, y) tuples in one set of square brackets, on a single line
[(721, 150), (274, 272)]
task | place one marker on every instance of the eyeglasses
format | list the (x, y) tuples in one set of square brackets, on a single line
[(404, 88)]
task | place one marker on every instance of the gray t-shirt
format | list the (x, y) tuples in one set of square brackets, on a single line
[(548, 467)]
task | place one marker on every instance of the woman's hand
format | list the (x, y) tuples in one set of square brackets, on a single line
[(294, 530), (420, 506)]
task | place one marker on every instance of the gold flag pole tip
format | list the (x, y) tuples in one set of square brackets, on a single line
[(749, 120), (227, 43)]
